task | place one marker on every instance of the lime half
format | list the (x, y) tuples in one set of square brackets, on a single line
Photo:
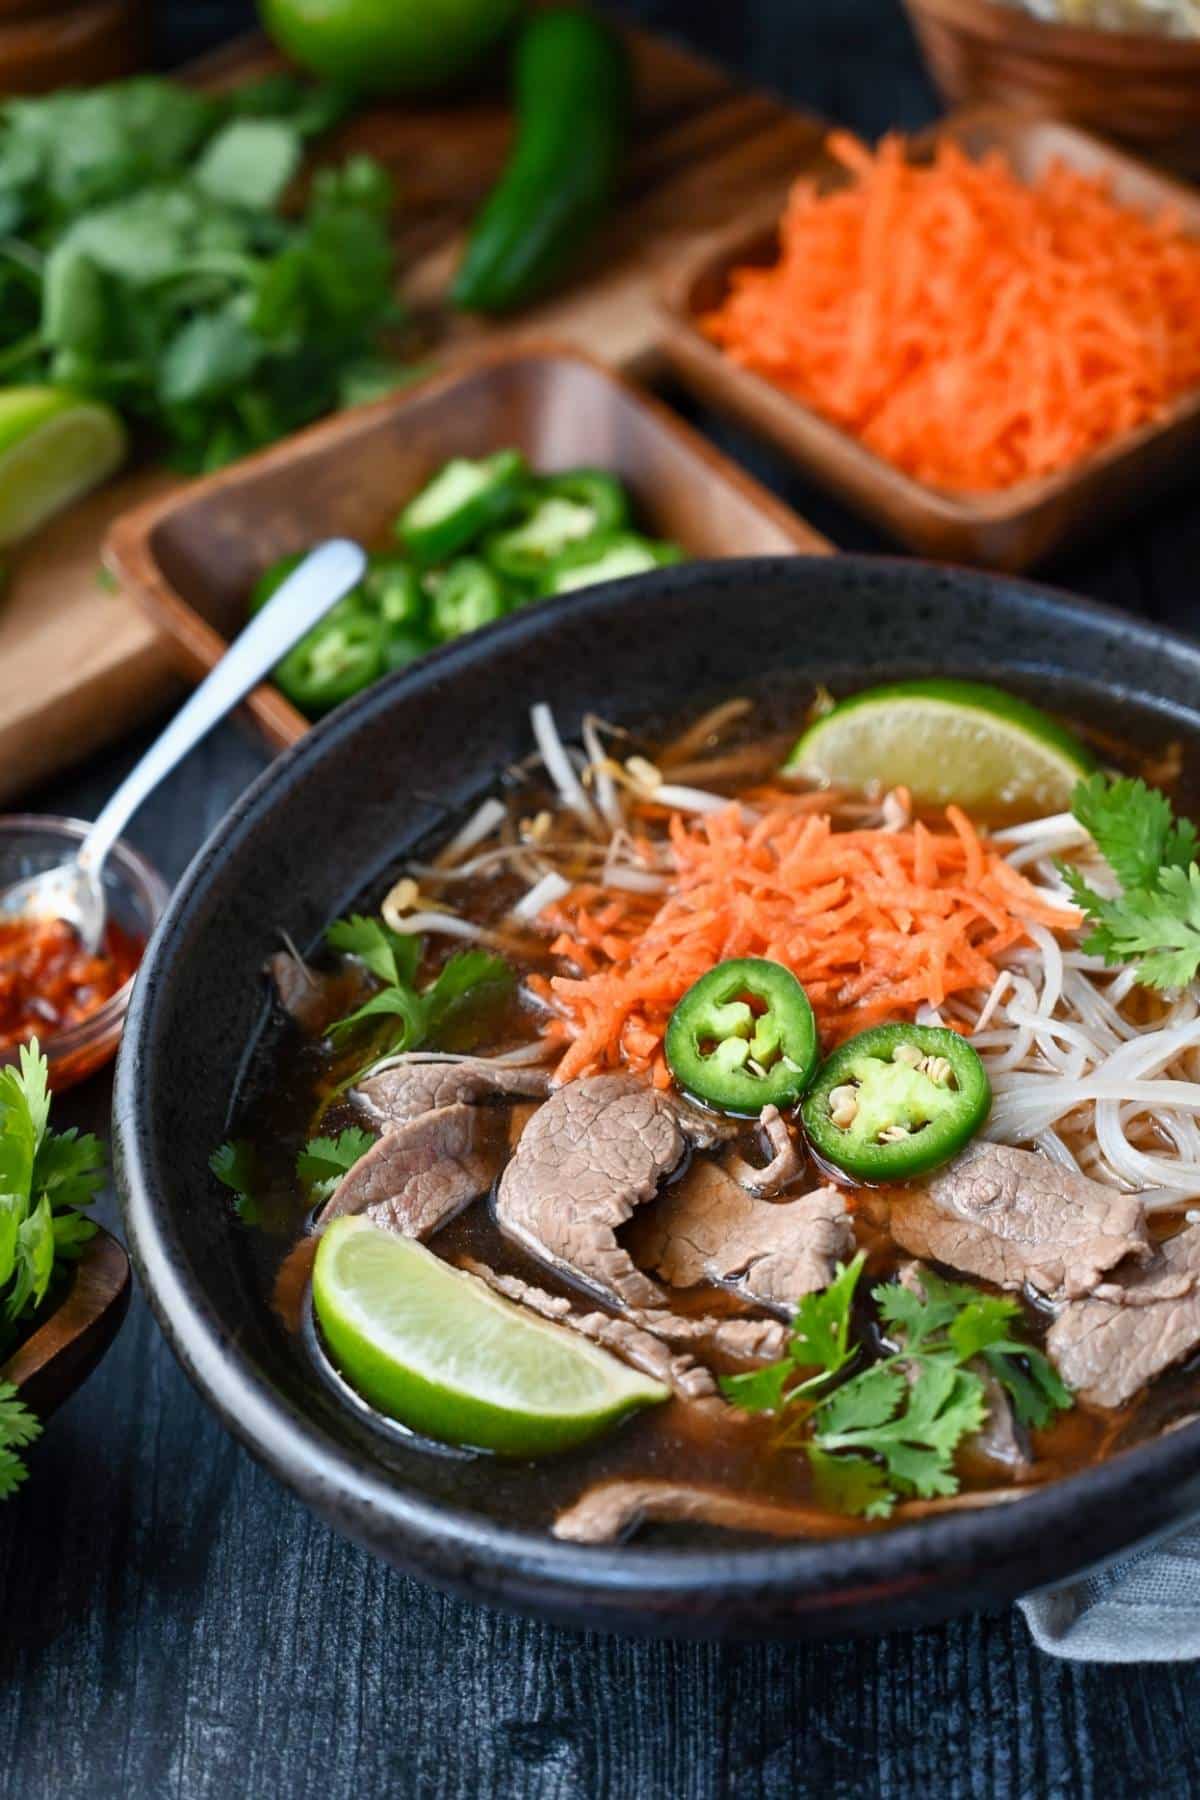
[(54, 446), (950, 743), (437, 1349)]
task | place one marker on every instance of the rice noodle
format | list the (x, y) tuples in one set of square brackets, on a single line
[(1095, 1085)]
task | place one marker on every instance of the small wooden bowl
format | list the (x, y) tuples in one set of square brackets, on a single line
[(63, 1351), (191, 559), (1011, 529), (1140, 89)]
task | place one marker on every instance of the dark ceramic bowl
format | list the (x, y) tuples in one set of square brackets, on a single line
[(324, 821)]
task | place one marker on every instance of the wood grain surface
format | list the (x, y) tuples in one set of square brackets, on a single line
[(173, 1626)]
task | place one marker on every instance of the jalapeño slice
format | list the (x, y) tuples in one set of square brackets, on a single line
[(743, 1037), (897, 1101)]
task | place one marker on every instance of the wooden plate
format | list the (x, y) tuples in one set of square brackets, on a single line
[(1009, 530), (191, 558), (64, 1350)]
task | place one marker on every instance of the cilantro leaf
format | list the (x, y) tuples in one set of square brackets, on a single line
[(70, 1168), (820, 1341), (758, 1390), (821, 1330), (1134, 827), (851, 1484), (1158, 928), (390, 1002), (914, 1429), (1030, 1380), (18, 1428), (460, 980), (391, 956), (984, 1321), (1154, 923), (235, 1166), (324, 1160)]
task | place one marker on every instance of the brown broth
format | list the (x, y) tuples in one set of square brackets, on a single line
[(285, 1101)]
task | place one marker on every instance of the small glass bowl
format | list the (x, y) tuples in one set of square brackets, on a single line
[(136, 895)]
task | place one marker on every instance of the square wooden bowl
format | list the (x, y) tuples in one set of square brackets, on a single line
[(1007, 530), (191, 559)]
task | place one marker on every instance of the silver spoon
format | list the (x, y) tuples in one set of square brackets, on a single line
[(74, 890)]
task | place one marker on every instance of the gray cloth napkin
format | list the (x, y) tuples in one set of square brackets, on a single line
[(1142, 1608)]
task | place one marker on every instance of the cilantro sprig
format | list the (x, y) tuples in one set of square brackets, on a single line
[(1154, 922), (420, 1015), (892, 1430), (47, 1178), (236, 1167), (324, 1160), (403, 1017)]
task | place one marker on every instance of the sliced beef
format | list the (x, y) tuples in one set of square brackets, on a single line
[(682, 1374), (315, 998), (706, 1227), (786, 1161), (613, 1509), (1013, 1217), (594, 1152), (415, 1085), (1107, 1347), (415, 1178)]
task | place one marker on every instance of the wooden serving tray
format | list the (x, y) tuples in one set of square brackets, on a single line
[(79, 664), (191, 557)]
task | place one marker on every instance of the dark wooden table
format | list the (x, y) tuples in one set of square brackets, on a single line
[(173, 1623)]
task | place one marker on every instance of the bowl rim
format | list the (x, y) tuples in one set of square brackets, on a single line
[(617, 1587), (143, 879)]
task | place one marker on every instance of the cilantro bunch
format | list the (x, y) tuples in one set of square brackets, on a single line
[(892, 1431), (1154, 922), (46, 1178), (144, 259)]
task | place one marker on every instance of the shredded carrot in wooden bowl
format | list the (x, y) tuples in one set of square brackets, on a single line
[(974, 331), (875, 923)]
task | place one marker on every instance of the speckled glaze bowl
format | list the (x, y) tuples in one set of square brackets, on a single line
[(324, 821)]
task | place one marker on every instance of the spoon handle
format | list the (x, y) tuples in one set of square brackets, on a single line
[(320, 580)]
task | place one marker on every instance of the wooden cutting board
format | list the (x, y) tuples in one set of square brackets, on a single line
[(79, 664)]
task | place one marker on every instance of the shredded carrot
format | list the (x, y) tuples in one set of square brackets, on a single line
[(876, 923), (973, 330)]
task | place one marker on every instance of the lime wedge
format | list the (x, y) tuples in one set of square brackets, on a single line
[(54, 446), (950, 743), (437, 1349)]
